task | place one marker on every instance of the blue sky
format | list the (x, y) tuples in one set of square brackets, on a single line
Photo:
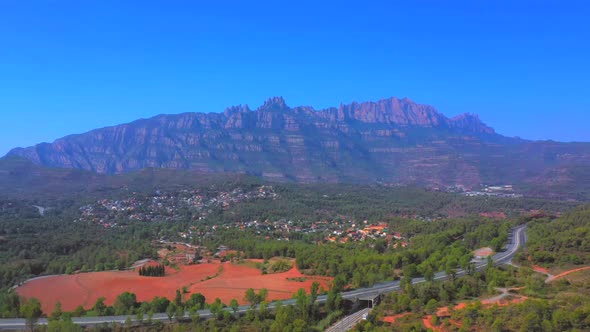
[(70, 66)]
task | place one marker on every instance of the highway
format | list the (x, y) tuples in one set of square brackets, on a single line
[(349, 322), (516, 240)]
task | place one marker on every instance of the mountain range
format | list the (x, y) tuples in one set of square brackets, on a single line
[(392, 141)]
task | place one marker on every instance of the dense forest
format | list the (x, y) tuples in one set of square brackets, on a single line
[(562, 241), (31, 244)]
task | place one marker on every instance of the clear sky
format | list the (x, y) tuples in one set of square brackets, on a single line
[(70, 66)]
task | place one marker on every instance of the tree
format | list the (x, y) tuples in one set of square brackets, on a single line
[(160, 304), (410, 271), (125, 303), (194, 315), (57, 312), (299, 325), (64, 324), (170, 310), (262, 310), (334, 299), (128, 322), (150, 316), (450, 271), (139, 315), (216, 308), (178, 298), (196, 300), (302, 304), (31, 311), (99, 307), (429, 274), (9, 304), (262, 295), (434, 320), (234, 305), (283, 318), (431, 306), (251, 297), (227, 316), (312, 298), (179, 312), (79, 311)]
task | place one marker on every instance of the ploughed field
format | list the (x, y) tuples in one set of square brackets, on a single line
[(225, 281)]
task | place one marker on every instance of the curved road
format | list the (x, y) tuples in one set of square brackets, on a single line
[(516, 240)]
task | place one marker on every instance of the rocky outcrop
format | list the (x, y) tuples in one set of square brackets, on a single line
[(391, 140)]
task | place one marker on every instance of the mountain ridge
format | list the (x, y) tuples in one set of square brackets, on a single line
[(391, 140)]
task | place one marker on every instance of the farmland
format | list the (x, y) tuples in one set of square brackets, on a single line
[(225, 281)]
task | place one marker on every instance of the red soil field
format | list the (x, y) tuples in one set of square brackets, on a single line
[(85, 288), (236, 279)]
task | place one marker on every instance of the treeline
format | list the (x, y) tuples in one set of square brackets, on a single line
[(152, 271)]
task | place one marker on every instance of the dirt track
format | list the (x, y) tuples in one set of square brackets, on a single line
[(563, 274)]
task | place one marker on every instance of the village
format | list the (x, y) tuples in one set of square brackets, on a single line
[(191, 205), (196, 205), (323, 231), (184, 251)]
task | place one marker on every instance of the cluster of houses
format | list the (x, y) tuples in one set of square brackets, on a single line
[(162, 206), (197, 204), (364, 232), (325, 231), (496, 191)]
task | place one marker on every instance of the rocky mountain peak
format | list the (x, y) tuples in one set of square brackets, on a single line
[(392, 140), (274, 104), (236, 109), (395, 111), (472, 122)]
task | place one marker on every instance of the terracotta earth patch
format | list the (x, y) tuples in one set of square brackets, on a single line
[(392, 319), (483, 252), (226, 281), (540, 269)]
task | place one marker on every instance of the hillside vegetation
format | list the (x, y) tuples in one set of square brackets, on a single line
[(563, 241)]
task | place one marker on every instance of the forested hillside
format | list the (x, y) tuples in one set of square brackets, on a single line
[(562, 241), (556, 298)]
